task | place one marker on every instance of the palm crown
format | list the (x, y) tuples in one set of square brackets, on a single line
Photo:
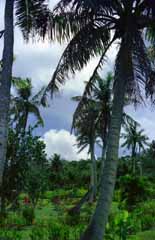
[(24, 103), (93, 26), (135, 139)]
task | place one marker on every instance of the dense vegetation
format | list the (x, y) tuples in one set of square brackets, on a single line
[(107, 197), (39, 206)]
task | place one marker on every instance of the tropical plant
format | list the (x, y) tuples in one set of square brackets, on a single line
[(36, 181), (106, 22), (86, 133), (29, 17), (25, 104), (26, 167), (95, 114), (135, 140)]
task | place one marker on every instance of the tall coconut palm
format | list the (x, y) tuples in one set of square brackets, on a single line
[(32, 17), (93, 26), (135, 140), (91, 124), (25, 104), (85, 130), (95, 114), (6, 83)]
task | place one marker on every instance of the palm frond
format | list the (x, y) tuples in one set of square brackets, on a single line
[(78, 52), (32, 17), (91, 83), (1, 33), (95, 7), (144, 72), (37, 99), (128, 120), (35, 111)]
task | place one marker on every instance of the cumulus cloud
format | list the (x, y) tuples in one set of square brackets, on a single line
[(63, 143)]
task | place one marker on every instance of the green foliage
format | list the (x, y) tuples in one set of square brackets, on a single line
[(118, 223), (134, 189), (146, 213), (39, 233), (36, 182), (7, 235), (67, 174), (28, 214), (147, 235), (27, 156)]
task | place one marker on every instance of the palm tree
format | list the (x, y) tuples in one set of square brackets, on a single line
[(25, 104), (91, 125), (93, 26), (135, 140), (103, 95), (5, 83), (32, 17), (85, 130), (95, 114)]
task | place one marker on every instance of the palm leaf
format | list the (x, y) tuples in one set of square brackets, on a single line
[(35, 111), (32, 17), (78, 52)]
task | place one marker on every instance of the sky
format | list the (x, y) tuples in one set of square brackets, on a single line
[(38, 60)]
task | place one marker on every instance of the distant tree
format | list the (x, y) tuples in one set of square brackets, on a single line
[(36, 181), (96, 114), (135, 140), (56, 171), (86, 133), (33, 18), (24, 104), (148, 159), (22, 155)]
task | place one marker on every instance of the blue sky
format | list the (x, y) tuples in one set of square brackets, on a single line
[(38, 61)]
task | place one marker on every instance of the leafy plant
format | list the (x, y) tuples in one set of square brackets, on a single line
[(28, 214)]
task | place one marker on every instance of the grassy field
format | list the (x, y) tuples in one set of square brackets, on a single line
[(52, 221)]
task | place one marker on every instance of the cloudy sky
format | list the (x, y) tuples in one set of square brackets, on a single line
[(38, 61)]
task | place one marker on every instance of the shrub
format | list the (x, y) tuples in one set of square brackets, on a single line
[(57, 232), (39, 233), (146, 213), (134, 190), (28, 214)]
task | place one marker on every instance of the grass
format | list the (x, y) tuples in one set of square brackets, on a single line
[(147, 235), (51, 218)]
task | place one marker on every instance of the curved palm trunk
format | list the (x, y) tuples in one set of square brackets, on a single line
[(96, 229), (103, 157), (93, 184), (25, 119), (77, 208), (134, 158), (5, 83)]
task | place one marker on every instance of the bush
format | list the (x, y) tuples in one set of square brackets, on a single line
[(39, 233), (28, 214), (10, 235), (146, 213), (134, 190)]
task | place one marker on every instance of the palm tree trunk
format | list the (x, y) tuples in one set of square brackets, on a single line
[(134, 159), (77, 208), (5, 83), (96, 229), (25, 119), (93, 184), (104, 148)]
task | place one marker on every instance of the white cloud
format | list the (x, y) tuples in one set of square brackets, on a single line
[(63, 143)]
